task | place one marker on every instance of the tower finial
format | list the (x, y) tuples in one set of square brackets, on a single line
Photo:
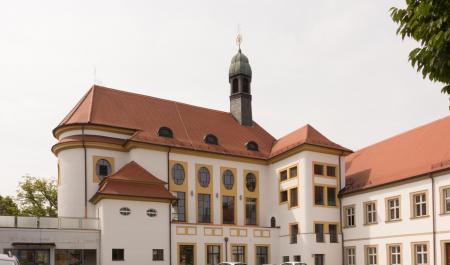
[(239, 37)]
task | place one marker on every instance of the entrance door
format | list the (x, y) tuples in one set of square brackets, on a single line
[(32, 256), (447, 247), (186, 255)]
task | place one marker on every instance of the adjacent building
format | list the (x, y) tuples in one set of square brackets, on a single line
[(143, 180)]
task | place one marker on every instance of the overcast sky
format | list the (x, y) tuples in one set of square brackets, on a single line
[(336, 65)]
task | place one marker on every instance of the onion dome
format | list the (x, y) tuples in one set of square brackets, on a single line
[(240, 65)]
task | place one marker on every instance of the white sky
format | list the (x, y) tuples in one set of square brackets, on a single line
[(336, 65)]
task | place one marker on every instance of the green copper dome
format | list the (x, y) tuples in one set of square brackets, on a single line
[(240, 65)]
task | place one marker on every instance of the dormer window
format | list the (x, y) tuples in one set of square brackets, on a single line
[(252, 146), (211, 139), (165, 132)]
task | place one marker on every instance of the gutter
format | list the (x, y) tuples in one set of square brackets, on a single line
[(170, 208), (434, 217), (340, 213), (85, 171)]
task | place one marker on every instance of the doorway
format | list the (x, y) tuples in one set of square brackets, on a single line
[(32, 256), (186, 254), (447, 253)]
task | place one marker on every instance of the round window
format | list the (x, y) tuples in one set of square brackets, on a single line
[(125, 211), (102, 168), (152, 212), (228, 179), (203, 177), (250, 182), (178, 174)]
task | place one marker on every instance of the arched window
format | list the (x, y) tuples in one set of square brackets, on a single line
[(245, 86), (211, 139), (250, 182), (165, 132), (273, 222), (103, 168), (235, 86), (203, 177), (252, 146), (178, 174), (228, 179)]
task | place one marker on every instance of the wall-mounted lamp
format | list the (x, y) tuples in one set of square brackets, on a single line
[(217, 195), (192, 193), (240, 197)]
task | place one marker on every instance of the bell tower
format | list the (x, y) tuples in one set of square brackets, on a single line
[(240, 78)]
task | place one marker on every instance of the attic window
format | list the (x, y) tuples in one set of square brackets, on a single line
[(211, 139), (252, 146), (165, 132)]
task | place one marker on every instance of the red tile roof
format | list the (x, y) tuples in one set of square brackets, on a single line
[(416, 152), (190, 124), (132, 180)]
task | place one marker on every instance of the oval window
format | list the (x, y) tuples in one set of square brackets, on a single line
[(228, 179), (125, 211), (103, 168), (203, 177), (250, 182), (178, 174), (152, 212)]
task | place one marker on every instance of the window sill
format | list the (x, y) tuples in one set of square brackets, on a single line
[(419, 217), (369, 224), (393, 221), (347, 227), (445, 213)]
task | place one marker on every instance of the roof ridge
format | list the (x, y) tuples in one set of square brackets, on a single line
[(403, 133), (162, 99)]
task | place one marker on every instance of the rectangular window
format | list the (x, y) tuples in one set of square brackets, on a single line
[(294, 233), (158, 254), (350, 256), (186, 255), (318, 195), (228, 209), (370, 212), (238, 253), (331, 196), (283, 196), (262, 255), (118, 254), (394, 255), (285, 258), (293, 194), (318, 169), (213, 254), (250, 211), (331, 171), (420, 204), (293, 172), (332, 229), (420, 254), (349, 212), (318, 230), (204, 208), (446, 200), (393, 209), (319, 259), (283, 175), (179, 207), (371, 256), (297, 258)]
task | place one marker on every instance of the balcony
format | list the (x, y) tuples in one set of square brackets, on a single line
[(49, 222)]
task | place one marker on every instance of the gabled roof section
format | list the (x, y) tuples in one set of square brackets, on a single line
[(417, 152), (132, 182), (305, 135), (81, 113)]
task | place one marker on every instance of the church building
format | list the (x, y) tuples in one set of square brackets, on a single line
[(144, 180)]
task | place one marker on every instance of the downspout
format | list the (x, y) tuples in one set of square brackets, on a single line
[(341, 208), (434, 218), (170, 208), (85, 172)]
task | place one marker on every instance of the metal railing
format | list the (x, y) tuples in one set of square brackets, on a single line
[(49, 222)]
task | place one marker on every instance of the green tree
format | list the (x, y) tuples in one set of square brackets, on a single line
[(37, 197), (8, 206), (428, 22)]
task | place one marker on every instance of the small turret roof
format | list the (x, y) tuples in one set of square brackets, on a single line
[(240, 65)]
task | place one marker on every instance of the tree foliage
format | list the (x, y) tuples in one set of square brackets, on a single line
[(8, 206), (428, 22), (37, 197)]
